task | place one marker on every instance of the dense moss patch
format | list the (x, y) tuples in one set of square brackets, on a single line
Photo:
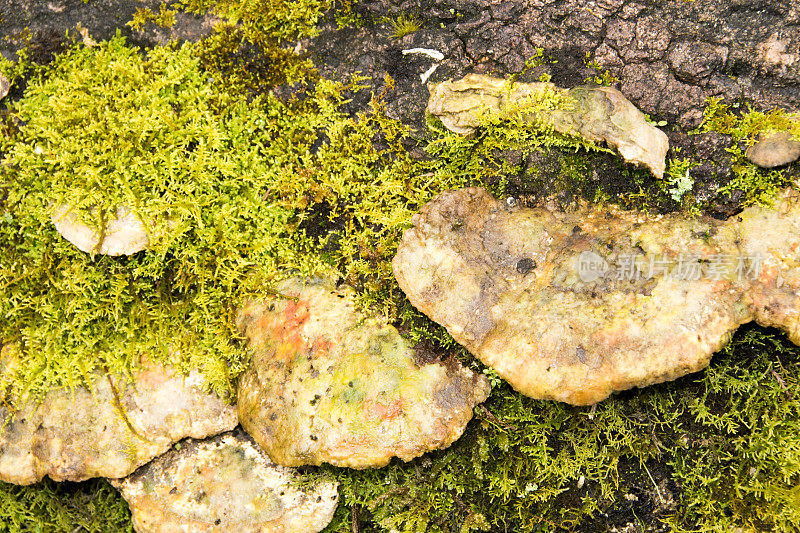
[(744, 124), (108, 126), (251, 46), (93, 506)]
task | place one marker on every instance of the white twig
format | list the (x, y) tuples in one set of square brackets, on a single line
[(427, 74), (436, 55)]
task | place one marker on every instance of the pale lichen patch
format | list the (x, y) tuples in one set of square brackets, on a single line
[(617, 299), (226, 483)]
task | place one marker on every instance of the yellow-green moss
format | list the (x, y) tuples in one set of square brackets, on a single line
[(93, 507), (108, 126), (250, 48), (757, 185), (403, 24)]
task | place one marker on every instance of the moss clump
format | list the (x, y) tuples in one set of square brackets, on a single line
[(262, 20), (403, 24), (107, 126), (250, 49), (756, 185), (737, 458), (93, 506)]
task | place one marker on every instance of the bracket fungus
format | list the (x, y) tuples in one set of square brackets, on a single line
[(575, 306), (774, 149), (5, 85), (224, 484), (595, 113), (108, 430), (330, 384), (122, 234)]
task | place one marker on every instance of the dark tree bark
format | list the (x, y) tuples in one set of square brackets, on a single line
[(668, 55)]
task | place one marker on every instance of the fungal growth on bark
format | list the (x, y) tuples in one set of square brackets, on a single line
[(599, 114), (328, 384), (108, 430), (225, 484), (774, 149), (771, 235), (122, 234), (5, 85), (575, 306)]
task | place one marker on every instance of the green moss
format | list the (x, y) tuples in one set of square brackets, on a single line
[(165, 17), (346, 15), (678, 179), (107, 126), (16, 71), (739, 460), (485, 155), (93, 506), (602, 76), (250, 48), (403, 24), (281, 20), (757, 185)]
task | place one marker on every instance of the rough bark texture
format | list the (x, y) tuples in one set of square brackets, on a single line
[(46, 23), (669, 56)]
